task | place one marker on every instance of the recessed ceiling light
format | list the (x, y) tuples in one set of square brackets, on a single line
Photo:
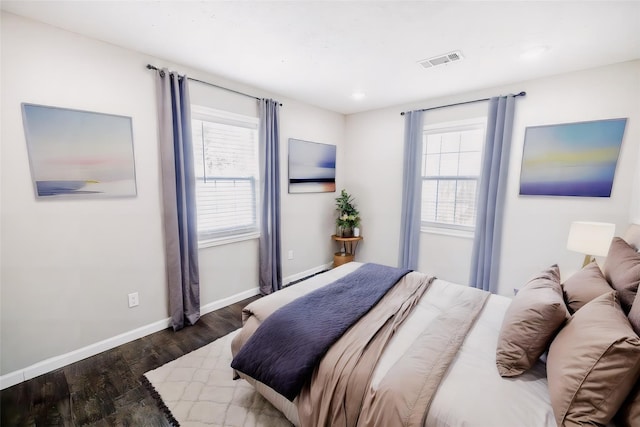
[(534, 52), (358, 95)]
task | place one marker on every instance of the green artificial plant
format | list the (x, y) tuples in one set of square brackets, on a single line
[(348, 215)]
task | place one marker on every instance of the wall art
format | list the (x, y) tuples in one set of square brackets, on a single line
[(312, 167), (571, 159), (79, 154)]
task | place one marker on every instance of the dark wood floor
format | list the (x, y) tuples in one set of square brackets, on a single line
[(107, 389)]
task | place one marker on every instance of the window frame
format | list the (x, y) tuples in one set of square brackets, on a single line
[(440, 128), (203, 113)]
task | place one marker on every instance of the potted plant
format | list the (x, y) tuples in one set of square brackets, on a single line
[(348, 215)]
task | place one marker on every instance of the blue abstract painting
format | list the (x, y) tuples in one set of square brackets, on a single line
[(312, 167), (76, 153), (571, 159)]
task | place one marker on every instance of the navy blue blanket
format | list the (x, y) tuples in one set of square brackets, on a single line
[(287, 346)]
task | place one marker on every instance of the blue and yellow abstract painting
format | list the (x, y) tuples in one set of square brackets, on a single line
[(571, 159), (77, 153), (312, 167)]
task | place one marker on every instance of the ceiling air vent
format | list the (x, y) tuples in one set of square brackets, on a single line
[(442, 59)]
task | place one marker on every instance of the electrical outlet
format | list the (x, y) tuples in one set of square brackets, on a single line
[(290, 255), (133, 299)]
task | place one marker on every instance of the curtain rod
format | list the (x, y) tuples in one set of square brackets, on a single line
[(460, 103), (152, 67)]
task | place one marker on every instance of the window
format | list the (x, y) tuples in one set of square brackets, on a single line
[(225, 149), (451, 159)]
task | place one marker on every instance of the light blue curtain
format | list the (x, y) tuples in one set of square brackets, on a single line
[(270, 259), (491, 194), (411, 191), (178, 198)]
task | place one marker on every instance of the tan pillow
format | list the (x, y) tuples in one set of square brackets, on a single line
[(629, 414), (592, 364), (583, 286), (634, 314), (533, 317), (622, 270)]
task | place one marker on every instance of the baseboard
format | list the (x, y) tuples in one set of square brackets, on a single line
[(217, 305), (306, 273), (57, 362), (10, 379)]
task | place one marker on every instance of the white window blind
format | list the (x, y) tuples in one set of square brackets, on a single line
[(451, 164), (226, 169)]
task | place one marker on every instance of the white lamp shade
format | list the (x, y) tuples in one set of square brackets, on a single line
[(590, 238)]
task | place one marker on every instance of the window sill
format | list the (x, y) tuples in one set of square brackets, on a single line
[(227, 240), (466, 234)]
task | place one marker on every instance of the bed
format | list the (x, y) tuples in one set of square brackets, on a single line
[(430, 364)]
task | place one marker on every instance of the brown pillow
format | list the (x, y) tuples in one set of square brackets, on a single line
[(622, 270), (583, 286), (634, 314), (533, 317), (629, 414), (593, 363)]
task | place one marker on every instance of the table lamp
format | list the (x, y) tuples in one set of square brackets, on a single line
[(590, 238)]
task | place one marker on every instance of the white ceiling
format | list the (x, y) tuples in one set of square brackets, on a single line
[(321, 52)]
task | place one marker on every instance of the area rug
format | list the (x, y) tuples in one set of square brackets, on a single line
[(198, 389)]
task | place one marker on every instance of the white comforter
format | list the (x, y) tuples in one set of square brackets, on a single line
[(472, 392)]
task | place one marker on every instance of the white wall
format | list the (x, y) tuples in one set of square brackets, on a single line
[(307, 219), (375, 156), (68, 265), (602, 93), (535, 228)]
